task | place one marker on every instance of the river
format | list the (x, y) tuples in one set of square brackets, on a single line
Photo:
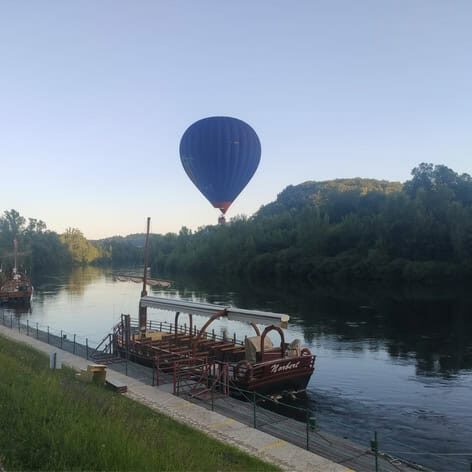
[(395, 361)]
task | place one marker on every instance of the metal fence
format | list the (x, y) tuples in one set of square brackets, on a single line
[(288, 422)]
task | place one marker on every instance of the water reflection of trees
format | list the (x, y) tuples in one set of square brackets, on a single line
[(430, 325), (81, 277), (75, 281)]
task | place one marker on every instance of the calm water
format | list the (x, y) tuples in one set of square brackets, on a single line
[(395, 361)]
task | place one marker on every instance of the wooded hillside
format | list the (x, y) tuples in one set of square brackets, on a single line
[(350, 229)]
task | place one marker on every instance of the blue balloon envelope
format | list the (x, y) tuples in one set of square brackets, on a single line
[(220, 155)]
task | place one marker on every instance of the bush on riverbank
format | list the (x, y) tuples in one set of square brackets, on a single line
[(51, 421)]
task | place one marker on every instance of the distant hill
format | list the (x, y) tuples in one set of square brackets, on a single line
[(122, 250), (319, 193)]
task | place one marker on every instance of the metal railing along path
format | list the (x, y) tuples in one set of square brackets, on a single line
[(300, 427)]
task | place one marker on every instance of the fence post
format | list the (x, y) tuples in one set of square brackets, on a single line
[(73, 349), (48, 334), (27, 327), (11, 321), (127, 356), (3, 316), (19, 325), (254, 408), (212, 399), (374, 446), (37, 330), (307, 430), (86, 348), (62, 337), (175, 379)]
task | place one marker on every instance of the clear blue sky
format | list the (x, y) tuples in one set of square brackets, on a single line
[(95, 96)]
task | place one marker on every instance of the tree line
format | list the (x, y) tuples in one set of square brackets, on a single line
[(40, 248), (343, 229)]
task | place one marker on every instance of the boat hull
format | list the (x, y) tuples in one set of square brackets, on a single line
[(15, 299), (293, 383), (16, 290), (293, 375)]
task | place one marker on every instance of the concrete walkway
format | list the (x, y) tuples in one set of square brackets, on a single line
[(266, 447)]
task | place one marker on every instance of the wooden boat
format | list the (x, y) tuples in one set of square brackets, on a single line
[(197, 357), (15, 286), (253, 364)]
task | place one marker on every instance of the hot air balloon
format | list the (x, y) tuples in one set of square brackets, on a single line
[(220, 155)]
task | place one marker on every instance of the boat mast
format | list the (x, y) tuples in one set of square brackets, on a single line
[(15, 251), (143, 309)]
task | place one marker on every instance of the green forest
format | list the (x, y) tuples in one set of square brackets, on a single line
[(42, 249), (344, 229)]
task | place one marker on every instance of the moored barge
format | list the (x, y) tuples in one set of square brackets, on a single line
[(16, 289), (254, 364), (15, 286)]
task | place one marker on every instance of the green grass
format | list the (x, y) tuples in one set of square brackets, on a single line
[(51, 421)]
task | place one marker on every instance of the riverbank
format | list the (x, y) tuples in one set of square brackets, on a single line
[(51, 421), (257, 443)]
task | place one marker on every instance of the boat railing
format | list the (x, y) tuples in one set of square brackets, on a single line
[(167, 327)]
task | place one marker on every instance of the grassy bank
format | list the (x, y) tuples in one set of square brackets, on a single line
[(51, 421)]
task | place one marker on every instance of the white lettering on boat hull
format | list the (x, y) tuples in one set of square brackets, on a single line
[(276, 368)]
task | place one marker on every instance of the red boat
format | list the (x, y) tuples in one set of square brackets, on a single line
[(15, 286), (254, 363), (16, 289)]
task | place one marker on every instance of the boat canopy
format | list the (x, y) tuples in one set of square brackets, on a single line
[(208, 309)]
